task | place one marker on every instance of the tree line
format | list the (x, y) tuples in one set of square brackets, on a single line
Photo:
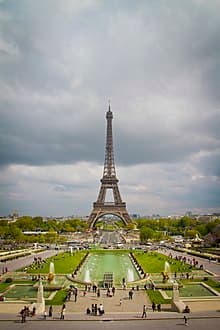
[(149, 229)]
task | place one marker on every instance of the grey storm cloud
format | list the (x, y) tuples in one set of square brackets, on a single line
[(158, 62)]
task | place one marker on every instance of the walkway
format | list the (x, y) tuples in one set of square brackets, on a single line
[(27, 260), (211, 266), (111, 304)]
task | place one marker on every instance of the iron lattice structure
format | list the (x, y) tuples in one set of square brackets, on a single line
[(109, 181)]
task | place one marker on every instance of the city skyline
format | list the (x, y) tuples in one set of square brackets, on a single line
[(157, 61)]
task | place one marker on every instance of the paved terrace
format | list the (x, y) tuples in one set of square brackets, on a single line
[(129, 308)]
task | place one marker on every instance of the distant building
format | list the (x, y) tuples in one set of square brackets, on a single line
[(135, 216), (204, 218)]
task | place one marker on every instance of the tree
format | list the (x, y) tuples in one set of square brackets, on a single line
[(13, 232), (146, 234), (191, 233), (25, 223)]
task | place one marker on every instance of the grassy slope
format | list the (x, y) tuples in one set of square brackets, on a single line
[(153, 262), (64, 263)]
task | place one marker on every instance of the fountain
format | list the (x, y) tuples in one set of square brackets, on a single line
[(109, 262), (87, 276), (51, 275), (40, 305), (130, 275), (52, 283), (167, 272)]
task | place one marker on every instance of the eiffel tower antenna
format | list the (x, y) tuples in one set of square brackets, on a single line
[(109, 181)]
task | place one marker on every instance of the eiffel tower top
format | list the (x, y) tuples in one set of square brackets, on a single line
[(109, 172), (109, 113)]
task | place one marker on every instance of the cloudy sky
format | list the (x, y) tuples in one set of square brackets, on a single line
[(158, 61)]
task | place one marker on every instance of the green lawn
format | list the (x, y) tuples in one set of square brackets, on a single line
[(156, 297), (58, 299), (153, 262), (64, 263), (3, 286)]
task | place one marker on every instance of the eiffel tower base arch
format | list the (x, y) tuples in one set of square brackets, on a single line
[(101, 210)]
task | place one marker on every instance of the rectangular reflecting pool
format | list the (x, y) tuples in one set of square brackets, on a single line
[(119, 264), (19, 291), (193, 290)]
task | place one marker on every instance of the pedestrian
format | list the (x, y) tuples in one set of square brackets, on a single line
[(33, 311), (98, 293), (153, 306), (75, 295), (45, 315), (50, 313), (144, 314), (113, 290), (185, 320), (159, 307), (101, 309), (23, 315), (63, 312), (130, 294), (120, 302)]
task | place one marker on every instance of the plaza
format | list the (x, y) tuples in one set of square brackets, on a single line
[(117, 306)]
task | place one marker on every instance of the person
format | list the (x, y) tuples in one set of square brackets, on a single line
[(186, 309), (93, 309), (98, 293), (45, 315), (120, 302), (27, 311), (153, 306), (130, 294), (23, 315), (88, 312), (63, 311), (113, 291), (144, 314), (159, 307), (123, 284), (50, 313), (34, 311), (75, 294), (185, 320), (101, 309)]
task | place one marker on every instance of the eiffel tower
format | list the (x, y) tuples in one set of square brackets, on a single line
[(109, 181)]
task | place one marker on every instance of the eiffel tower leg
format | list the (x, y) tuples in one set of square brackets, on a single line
[(92, 219)]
